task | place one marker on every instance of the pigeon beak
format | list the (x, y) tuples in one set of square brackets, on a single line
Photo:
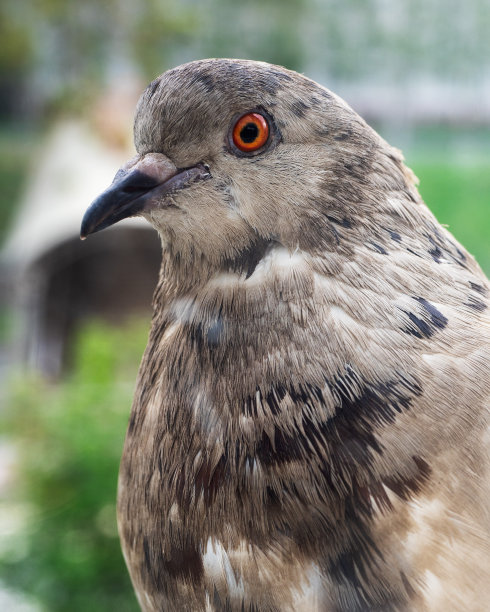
[(139, 186)]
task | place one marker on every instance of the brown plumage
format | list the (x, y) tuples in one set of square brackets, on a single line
[(310, 426)]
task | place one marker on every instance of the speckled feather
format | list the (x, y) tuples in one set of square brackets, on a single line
[(310, 425)]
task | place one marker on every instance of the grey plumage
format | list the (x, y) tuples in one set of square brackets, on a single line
[(310, 425)]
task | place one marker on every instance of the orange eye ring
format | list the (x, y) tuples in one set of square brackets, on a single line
[(250, 132)]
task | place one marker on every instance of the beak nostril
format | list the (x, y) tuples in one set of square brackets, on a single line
[(137, 182), (134, 189)]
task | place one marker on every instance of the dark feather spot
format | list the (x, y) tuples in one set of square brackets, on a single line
[(379, 248), (248, 259), (270, 400), (281, 76), (132, 421), (215, 332), (250, 406), (207, 80), (461, 255), (314, 101), (479, 288), (322, 132), (422, 328), (271, 83), (349, 567), (151, 89), (146, 551), (394, 235), (359, 558), (414, 252), (299, 108), (335, 233), (209, 479), (196, 336), (344, 222), (347, 439), (343, 135), (184, 563), (369, 493), (437, 318), (408, 587), (405, 487), (476, 304), (435, 252), (203, 335), (271, 497), (280, 449), (346, 568)]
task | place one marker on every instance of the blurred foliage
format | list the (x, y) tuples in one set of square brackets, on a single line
[(64, 550), (369, 39), (17, 49), (255, 30), (70, 50)]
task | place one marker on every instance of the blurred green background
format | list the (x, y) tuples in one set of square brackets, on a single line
[(418, 71)]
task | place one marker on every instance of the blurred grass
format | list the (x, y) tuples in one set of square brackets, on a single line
[(453, 166), (459, 196), (61, 543)]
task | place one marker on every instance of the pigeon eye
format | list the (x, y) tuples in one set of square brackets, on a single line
[(250, 132)]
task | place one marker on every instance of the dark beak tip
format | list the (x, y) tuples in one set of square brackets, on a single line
[(114, 203), (133, 193), (85, 228)]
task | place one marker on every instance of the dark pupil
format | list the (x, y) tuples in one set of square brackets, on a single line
[(249, 133)]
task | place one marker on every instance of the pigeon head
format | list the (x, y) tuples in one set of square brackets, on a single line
[(234, 155)]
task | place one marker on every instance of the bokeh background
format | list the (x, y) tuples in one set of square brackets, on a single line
[(74, 317)]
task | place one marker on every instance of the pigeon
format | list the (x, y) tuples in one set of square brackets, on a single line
[(309, 429)]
